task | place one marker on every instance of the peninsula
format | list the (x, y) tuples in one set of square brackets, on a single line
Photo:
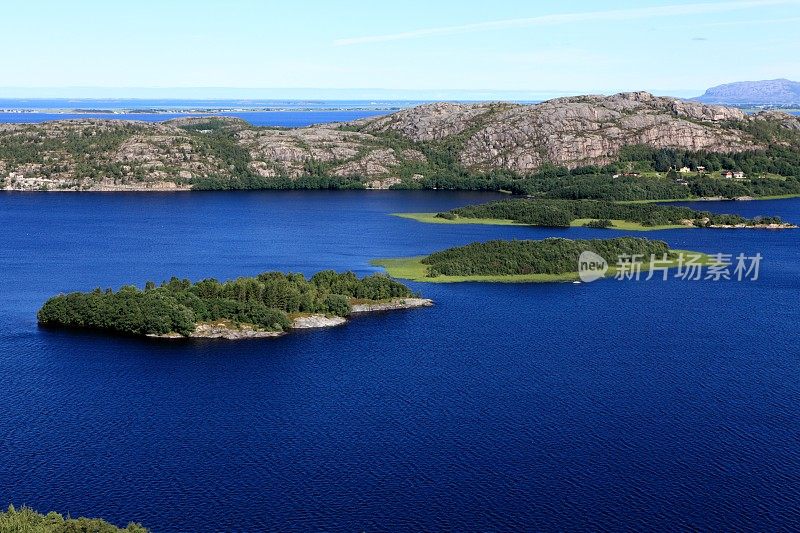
[(629, 146), (548, 260), (268, 305), (594, 214)]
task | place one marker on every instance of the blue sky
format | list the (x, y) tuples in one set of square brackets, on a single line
[(440, 48)]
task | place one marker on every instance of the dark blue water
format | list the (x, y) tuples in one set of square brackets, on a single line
[(603, 406)]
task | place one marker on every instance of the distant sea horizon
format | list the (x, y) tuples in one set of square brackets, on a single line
[(276, 113), (263, 112)]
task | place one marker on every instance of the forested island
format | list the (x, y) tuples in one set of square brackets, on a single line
[(267, 305), (546, 260), (26, 520), (629, 146), (595, 214)]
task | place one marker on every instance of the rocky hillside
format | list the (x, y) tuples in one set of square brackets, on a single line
[(377, 152), (768, 92)]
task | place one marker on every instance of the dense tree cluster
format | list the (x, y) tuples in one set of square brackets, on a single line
[(177, 305), (213, 138), (254, 182), (600, 183), (573, 184), (26, 520), (548, 256), (777, 159), (556, 213)]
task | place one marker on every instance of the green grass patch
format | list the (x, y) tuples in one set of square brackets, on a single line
[(431, 218), (627, 225), (413, 269)]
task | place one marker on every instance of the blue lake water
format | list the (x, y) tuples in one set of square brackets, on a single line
[(603, 406)]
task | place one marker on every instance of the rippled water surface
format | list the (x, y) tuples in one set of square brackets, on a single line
[(539, 407)]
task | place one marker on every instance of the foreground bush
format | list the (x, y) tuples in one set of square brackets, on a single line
[(27, 520)]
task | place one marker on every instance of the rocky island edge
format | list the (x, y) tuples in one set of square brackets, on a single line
[(268, 305), (226, 330)]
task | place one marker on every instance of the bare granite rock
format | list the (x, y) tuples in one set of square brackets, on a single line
[(431, 122), (786, 120), (397, 303), (225, 330), (317, 321), (591, 131)]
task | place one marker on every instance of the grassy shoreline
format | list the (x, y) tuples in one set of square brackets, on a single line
[(431, 218), (672, 200), (413, 269)]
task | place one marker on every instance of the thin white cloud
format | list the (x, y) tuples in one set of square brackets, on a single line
[(749, 22), (568, 18)]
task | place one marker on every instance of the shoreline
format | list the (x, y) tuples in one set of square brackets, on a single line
[(412, 269), (714, 199), (620, 225), (228, 331)]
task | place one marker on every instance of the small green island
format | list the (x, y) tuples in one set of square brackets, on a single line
[(593, 214), (26, 520), (267, 305), (533, 261)]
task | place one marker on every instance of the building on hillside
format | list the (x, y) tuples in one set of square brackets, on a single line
[(685, 170)]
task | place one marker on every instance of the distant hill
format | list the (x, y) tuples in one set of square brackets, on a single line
[(769, 92)]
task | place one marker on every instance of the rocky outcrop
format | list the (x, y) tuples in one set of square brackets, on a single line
[(175, 155), (317, 321), (223, 330), (432, 122), (591, 130), (773, 225), (398, 303), (226, 330), (790, 122)]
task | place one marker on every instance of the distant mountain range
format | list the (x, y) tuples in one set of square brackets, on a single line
[(767, 92)]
